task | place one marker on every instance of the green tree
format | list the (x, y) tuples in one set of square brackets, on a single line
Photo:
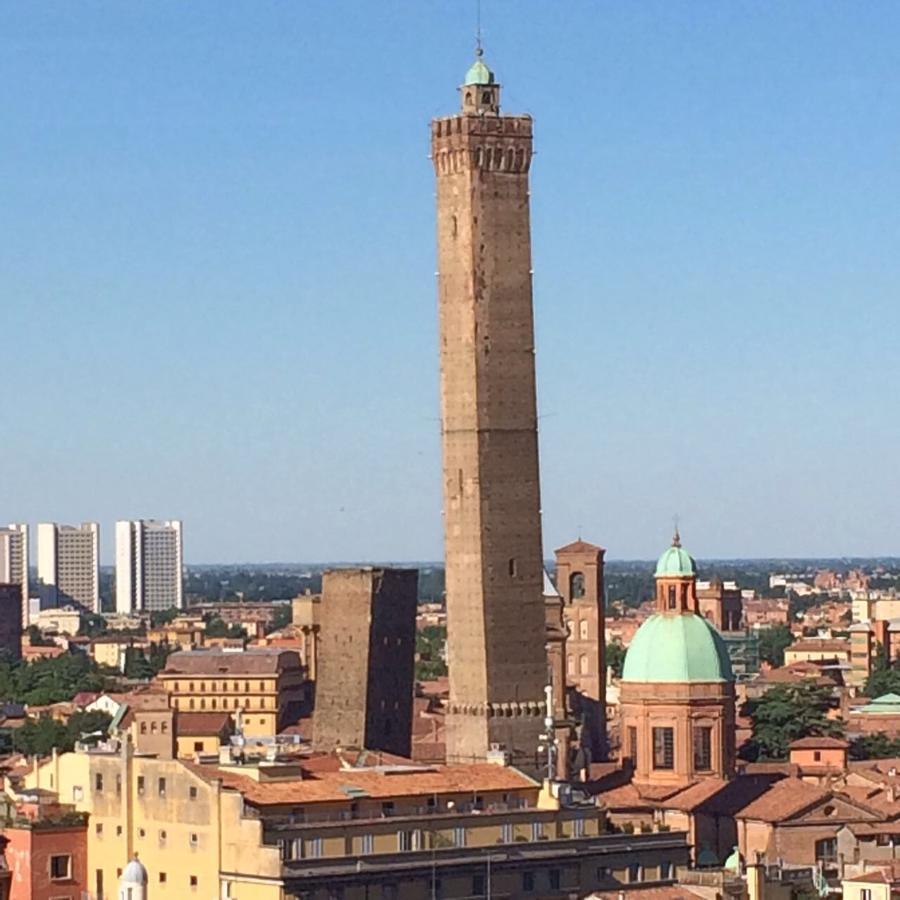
[(216, 627), (158, 655), (773, 642), (281, 618), (51, 680), (92, 625), (786, 713), (430, 643), (136, 665), (874, 746), (36, 638), (615, 657), (38, 737), (884, 677), (164, 616)]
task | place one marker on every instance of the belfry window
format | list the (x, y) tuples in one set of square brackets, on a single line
[(663, 748), (576, 585), (673, 599)]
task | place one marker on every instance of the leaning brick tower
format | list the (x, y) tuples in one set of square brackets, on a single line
[(491, 491)]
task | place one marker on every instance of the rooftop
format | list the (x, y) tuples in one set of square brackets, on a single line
[(376, 782), (252, 661)]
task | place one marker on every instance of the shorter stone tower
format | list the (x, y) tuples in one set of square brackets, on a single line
[(366, 666), (579, 577), (677, 691)]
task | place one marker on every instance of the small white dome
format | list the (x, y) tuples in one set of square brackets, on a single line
[(134, 873)]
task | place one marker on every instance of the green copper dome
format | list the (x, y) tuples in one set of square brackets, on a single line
[(479, 73), (680, 648), (676, 561)]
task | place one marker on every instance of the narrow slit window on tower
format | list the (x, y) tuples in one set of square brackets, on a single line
[(512, 568), (673, 600)]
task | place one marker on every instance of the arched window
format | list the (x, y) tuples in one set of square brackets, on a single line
[(570, 665), (673, 598), (583, 629), (576, 585), (583, 664)]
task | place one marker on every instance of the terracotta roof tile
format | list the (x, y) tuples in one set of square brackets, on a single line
[(254, 661), (330, 786), (818, 743), (782, 800), (197, 724)]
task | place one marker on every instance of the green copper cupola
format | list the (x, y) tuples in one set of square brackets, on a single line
[(480, 91)]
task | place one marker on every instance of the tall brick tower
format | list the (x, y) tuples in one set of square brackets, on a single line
[(495, 607)]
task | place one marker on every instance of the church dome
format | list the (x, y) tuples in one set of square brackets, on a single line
[(134, 873), (683, 648), (479, 73), (676, 561)]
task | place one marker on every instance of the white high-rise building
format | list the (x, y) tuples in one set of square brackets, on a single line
[(69, 565), (148, 566), (14, 561)]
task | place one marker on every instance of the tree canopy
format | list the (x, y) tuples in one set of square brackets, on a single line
[(430, 642), (615, 657), (773, 642), (786, 713), (884, 677), (51, 679), (38, 737)]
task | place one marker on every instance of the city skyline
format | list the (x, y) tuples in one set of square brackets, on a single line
[(234, 261)]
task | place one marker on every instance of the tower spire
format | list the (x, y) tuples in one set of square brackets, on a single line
[(479, 49)]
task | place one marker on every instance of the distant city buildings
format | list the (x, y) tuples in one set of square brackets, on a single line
[(149, 566), (14, 561), (68, 565)]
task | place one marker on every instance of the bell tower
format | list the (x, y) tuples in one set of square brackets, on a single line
[(495, 607)]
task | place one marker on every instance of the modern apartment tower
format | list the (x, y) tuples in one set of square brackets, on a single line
[(148, 566), (69, 565), (495, 607), (14, 561)]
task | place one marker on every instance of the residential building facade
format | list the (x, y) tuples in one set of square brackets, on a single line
[(263, 688), (149, 566), (68, 568), (14, 562)]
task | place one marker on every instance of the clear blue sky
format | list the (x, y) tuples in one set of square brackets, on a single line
[(217, 258)]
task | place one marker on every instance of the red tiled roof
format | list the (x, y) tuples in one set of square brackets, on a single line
[(580, 546), (667, 892), (818, 743), (199, 724), (211, 663), (782, 800), (342, 785)]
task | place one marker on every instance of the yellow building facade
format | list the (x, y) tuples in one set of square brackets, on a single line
[(188, 832), (263, 687)]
